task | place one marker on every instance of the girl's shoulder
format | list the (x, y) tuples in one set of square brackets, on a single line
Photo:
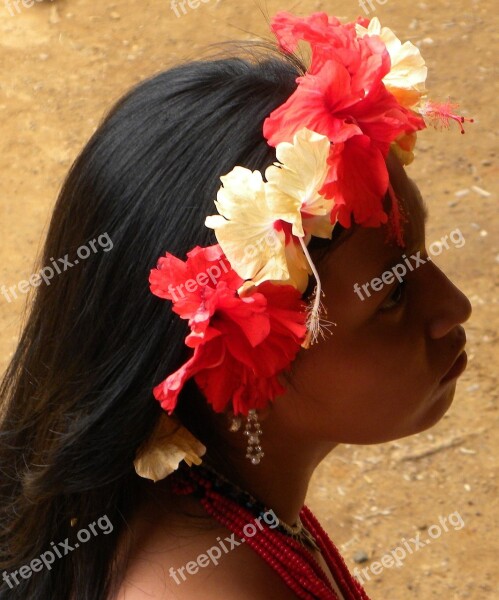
[(197, 559), (237, 578)]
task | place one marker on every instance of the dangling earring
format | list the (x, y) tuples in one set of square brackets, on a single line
[(253, 431), (234, 422)]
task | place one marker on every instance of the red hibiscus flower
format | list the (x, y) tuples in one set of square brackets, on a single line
[(241, 344), (343, 96), (327, 36)]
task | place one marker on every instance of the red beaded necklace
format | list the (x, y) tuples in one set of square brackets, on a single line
[(287, 556)]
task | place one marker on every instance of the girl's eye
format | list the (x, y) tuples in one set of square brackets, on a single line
[(395, 298)]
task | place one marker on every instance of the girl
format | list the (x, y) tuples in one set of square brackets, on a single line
[(254, 287)]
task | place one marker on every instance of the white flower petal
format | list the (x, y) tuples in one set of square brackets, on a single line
[(408, 71)]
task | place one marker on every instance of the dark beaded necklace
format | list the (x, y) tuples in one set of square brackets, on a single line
[(287, 552)]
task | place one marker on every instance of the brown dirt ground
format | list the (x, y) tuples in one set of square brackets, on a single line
[(64, 63)]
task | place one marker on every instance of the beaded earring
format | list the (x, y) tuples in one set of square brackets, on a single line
[(234, 422), (253, 431)]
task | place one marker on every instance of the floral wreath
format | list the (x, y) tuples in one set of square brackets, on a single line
[(363, 93)]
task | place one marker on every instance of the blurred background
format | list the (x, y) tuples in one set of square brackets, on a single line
[(62, 65)]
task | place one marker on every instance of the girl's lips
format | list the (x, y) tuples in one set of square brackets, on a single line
[(457, 368)]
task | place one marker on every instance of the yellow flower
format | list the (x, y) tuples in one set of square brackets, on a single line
[(403, 147), (247, 226), (169, 444), (406, 79)]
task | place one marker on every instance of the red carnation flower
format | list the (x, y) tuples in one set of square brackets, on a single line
[(241, 344)]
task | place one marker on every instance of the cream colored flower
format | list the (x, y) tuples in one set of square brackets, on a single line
[(406, 79), (169, 444), (294, 183), (247, 226), (299, 269)]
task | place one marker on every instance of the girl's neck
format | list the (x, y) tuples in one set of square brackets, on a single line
[(280, 481)]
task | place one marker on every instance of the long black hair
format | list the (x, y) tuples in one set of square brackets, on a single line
[(76, 397)]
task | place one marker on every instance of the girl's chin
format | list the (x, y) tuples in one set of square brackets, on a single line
[(439, 406)]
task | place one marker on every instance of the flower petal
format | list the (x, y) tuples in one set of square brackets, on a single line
[(247, 234), (293, 183), (407, 76), (169, 444), (360, 196)]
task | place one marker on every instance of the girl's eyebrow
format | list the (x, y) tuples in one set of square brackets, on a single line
[(400, 259)]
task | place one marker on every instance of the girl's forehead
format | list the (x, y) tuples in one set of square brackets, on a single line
[(368, 250)]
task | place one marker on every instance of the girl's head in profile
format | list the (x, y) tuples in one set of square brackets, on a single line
[(339, 230)]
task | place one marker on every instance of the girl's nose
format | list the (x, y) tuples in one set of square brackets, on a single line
[(450, 306)]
